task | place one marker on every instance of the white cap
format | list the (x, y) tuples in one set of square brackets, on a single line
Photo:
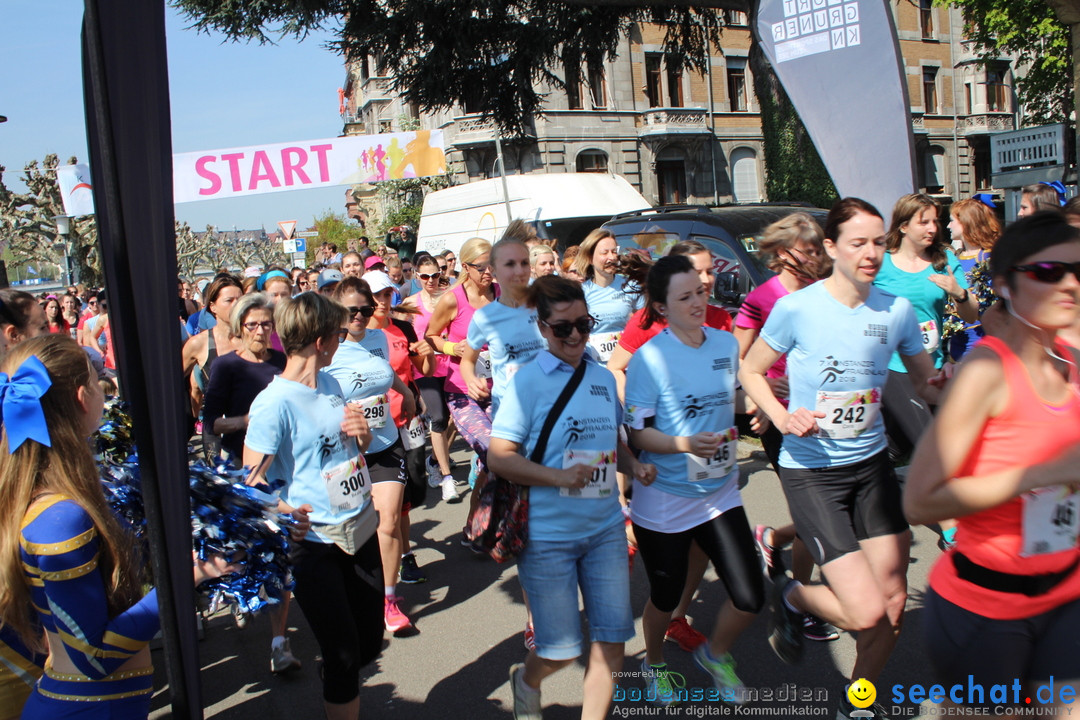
[(378, 281)]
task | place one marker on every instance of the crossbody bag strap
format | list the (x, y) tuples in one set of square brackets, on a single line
[(537, 455)]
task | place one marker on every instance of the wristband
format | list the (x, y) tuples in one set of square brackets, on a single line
[(448, 348), (963, 298)]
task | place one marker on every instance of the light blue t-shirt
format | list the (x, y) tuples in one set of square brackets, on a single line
[(512, 337), (363, 370), (685, 391), (590, 422), (925, 297), (301, 427), (838, 361), (611, 305)]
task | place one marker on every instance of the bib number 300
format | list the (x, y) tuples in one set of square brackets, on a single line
[(348, 485)]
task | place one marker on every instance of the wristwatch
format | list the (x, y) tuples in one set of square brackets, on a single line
[(963, 298)]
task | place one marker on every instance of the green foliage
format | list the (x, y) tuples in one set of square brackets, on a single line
[(1030, 30), (332, 228)]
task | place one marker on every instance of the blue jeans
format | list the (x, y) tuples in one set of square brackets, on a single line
[(551, 572)]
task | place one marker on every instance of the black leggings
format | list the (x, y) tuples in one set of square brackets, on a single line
[(728, 542), (342, 598), (433, 391), (906, 415)]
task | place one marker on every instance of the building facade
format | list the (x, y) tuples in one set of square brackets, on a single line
[(695, 137)]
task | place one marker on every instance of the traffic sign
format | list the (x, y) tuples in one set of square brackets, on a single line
[(308, 233), (288, 228)]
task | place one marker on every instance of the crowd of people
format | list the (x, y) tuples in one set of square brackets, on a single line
[(607, 384)]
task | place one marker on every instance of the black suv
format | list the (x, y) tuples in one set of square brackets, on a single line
[(730, 232)]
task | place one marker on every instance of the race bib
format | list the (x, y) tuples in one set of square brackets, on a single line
[(931, 336), (1051, 521), (414, 434), (376, 410), (602, 484), (847, 414), (511, 370), (483, 365), (720, 465), (604, 344), (348, 485)]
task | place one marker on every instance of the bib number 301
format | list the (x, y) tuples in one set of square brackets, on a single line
[(602, 483), (1051, 521)]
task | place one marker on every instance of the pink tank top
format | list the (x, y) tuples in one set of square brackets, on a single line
[(420, 323), (456, 332), (1029, 431)]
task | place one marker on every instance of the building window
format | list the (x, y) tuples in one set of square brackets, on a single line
[(597, 88), (929, 84), (594, 161), (365, 70), (674, 83), (573, 83), (744, 176), (997, 98), (386, 126), (969, 100), (934, 169), (736, 83), (671, 181), (653, 90), (926, 19), (734, 17)]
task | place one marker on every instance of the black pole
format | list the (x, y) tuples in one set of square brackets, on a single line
[(126, 86)]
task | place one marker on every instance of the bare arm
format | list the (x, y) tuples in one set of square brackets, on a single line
[(617, 364), (478, 389), (505, 459), (921, 369), (445, 312), (194, 349), (759, 359)]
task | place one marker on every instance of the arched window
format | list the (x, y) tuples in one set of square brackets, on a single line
[(744, 175), (595, 161)]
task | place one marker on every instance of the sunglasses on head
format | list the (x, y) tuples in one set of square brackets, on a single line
[(562, 330), (1049, 272), (365, 310)]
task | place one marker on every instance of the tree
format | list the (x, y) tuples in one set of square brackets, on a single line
[(29, 230), (1036, 34), (192, 250), (332, 228)]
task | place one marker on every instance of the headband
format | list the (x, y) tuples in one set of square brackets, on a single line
[(261, 282)]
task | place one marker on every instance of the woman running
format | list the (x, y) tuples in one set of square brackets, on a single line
[(839, 335), (681, 401), (610, 297)]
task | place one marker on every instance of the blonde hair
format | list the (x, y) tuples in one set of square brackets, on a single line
[(519, 229), (473, 249), (785, 234), (538, 251), (65, 467), (308, 317), (583, 262)]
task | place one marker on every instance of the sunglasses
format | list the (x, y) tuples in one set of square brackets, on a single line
[(480, 268), (450, 259), (442, 268), (429, 276), (341, 335), (1049, 272), (365, 311), (561, 330), (267, 325)]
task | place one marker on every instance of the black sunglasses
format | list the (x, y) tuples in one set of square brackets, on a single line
[(1049, 272), (562, 330), (366, 311)]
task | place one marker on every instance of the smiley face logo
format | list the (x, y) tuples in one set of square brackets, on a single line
[(862, 693)]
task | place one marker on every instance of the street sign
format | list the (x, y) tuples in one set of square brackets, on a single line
[(288, 246), (301, 245), (308, 233), (288, 228)]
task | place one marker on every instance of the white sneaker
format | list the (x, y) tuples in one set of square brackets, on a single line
[(434, 477), (282, 659), (449, 490)]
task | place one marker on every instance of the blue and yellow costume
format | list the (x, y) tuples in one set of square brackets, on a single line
[(20, 668), (60, 551)]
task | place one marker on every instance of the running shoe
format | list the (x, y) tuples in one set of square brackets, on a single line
[(785, 625), (816, 629), (434, 476), (410, 571), (240, 616), (679, 631), (396, 620), (722, 670), (526, 702), (770, 555), (449, 490), (281, 658), (846, 710), (530, 637), (662, 686)]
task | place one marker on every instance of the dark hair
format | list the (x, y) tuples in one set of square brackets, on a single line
[(1072, 207), (657, 283), (15, 307), (1043, 196), (214, 289), (353, 284), (549, 290), (843, 210), (1029, 236), (687, 247)]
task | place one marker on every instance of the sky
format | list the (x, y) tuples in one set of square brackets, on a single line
[(222, 95)]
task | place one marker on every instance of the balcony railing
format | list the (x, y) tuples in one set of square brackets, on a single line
[(673, 121), (479, 130), (986, 123)]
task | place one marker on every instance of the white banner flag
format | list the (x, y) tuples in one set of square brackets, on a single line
[(75, 189), (350, 160)]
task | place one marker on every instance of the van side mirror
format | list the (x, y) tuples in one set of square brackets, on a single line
[(726, 288)]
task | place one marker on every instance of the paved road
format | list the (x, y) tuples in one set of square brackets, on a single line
[(470, 618)]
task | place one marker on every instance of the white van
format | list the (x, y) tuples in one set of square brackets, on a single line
[(564, 206)]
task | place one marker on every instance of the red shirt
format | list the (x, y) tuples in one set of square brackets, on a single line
[(634, 336)]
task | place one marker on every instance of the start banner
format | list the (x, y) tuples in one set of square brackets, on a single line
[(234, 172)]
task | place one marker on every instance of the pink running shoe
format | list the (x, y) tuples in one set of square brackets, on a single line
[(396, 620)]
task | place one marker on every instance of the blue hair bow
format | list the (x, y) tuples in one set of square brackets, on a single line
[(20, 403), (986, 199), (1059, 188)]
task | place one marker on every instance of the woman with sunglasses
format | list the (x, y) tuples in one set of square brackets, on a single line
[(1001, 455), (305, 441), (611, 297), (433, 387), (236, 380), (361, 365), (681, 400), (446, 332), (576, 537)]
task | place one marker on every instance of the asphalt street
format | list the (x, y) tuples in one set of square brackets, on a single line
[(469, 618)]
